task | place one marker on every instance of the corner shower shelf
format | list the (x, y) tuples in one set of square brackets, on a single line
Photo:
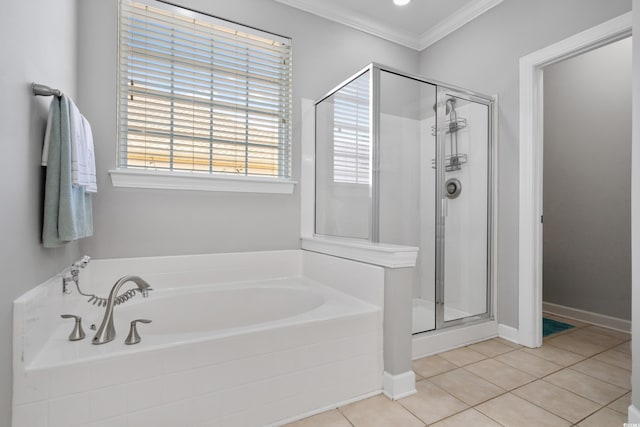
[(455, 160), (450, 126), (452, 162)]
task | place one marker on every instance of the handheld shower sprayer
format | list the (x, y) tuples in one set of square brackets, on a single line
[(74, 277)]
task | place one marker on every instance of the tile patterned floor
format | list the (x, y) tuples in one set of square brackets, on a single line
[(579, 377)]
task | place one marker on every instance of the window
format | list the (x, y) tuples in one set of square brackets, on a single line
[(351, 138), (198, 94)]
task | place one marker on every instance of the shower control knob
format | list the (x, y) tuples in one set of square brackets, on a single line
[(77, 333)]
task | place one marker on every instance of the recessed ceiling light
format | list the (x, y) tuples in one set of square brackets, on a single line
[(401, 2)]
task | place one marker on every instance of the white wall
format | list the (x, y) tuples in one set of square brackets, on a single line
[(587, 181), (131, 222), (483, 56), (37, 44), (634, 412)]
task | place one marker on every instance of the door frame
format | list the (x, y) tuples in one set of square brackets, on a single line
[(531, 166)]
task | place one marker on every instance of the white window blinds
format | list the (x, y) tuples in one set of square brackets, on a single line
[(351, 136), (201, 94)]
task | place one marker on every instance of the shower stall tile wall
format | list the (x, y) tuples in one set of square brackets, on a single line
[(236, 339)]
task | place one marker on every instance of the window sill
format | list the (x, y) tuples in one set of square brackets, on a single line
[(131, 178)]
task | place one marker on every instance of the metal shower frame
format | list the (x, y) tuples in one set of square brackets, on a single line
[(442, 91)]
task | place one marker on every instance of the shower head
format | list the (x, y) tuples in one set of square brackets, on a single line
[(449, 105)]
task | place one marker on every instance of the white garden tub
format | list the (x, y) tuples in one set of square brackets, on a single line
[(228, 353)]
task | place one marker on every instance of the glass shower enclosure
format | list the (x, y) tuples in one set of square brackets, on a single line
[(404, 160)]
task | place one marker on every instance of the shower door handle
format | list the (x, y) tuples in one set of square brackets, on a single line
[(445, 207)]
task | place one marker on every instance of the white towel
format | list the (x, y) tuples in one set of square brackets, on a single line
[(83, 162), (90, 186)]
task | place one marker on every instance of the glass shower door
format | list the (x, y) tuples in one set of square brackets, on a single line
[(463, 191)]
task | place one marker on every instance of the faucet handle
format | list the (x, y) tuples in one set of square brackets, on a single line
[(133, 337), (77, 333)]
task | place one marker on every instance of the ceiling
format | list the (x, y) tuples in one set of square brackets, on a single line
[(416, 25)]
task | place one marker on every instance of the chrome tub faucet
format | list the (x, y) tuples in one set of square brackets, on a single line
[(106, 331)]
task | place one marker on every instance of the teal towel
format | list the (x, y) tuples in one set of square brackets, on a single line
[(67, 209)]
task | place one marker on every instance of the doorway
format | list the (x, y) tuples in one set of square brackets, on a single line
[(587, 187), (531, 161)]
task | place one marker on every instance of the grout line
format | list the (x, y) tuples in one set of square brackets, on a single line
[(345, 417), (444, 391), (487, 415), (607, 348), (560, 416), (415, 415), (409, 411), (512, 367), (440, 373), (544, 409), (568, 391), (483, 401), (611, 364), (467, 409), (581, 420)]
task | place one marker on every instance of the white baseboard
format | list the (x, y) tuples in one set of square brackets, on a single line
[(587, 316), (398, 386), (508, 333), (634, 415)]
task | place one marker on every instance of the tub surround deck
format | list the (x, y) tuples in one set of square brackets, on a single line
[(324, 349)]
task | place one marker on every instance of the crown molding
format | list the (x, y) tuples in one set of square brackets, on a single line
[(405, 38), (456, 20)]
